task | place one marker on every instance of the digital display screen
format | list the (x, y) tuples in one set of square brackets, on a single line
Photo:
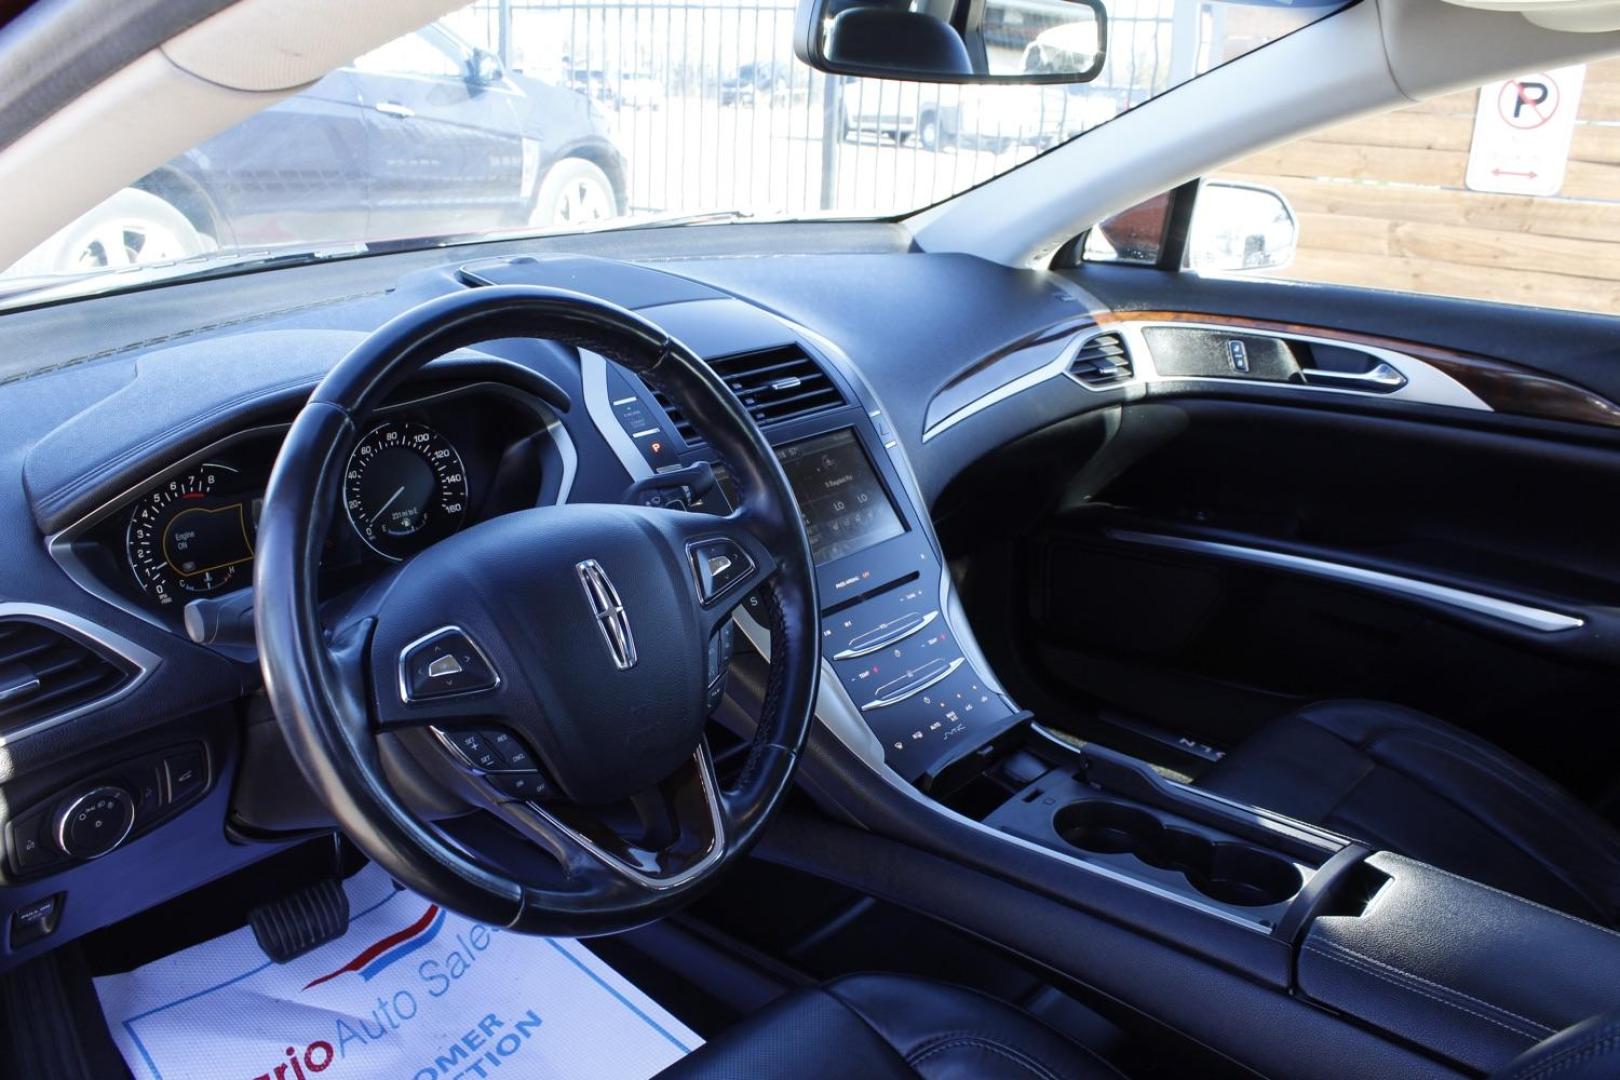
[(841, 499)]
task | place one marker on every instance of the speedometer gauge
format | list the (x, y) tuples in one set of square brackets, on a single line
[(404, 488), (190, 537)]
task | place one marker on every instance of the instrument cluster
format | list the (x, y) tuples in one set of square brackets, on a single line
[(422, 472)]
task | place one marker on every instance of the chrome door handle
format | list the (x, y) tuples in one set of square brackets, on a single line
[(1381, 378), (394, 108)]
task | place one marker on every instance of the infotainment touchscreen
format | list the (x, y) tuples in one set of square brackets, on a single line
[(844, 504)]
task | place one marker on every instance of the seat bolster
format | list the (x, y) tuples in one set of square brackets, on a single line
[(948, 1033)]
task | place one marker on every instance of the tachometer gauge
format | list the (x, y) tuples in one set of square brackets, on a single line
[(186, 537), (404, 488)]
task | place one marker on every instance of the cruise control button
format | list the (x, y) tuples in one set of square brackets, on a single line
[(474, 750), (444, 664), (512, 752), (718, 564)]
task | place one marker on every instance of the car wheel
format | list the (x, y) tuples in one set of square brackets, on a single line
[(132, 228), (928, 132), (574, 192)]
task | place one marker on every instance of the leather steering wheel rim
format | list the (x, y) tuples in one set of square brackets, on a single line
[(327, 712)]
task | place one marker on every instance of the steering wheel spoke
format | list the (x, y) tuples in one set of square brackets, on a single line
[(654, 840)]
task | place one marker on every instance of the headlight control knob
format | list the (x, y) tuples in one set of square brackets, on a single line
[(95, 822)]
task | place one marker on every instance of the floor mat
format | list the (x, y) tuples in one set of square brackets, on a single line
[(411, 991)]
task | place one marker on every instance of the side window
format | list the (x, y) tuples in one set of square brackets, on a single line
[(412, 54), (1509, 193)]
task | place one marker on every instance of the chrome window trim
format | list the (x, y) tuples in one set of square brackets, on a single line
[(142, 661), (1521, 615)]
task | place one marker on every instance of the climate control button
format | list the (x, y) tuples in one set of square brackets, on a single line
[(95, 822)]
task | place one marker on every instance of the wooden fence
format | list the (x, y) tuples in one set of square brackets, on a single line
[(1381, 203)]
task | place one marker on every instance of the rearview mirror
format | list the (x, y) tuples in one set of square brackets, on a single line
[(955, 41), (1238, 227)]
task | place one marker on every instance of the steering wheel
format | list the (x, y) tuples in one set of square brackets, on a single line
[(576, 634)]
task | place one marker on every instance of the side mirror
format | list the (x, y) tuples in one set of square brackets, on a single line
[(965, 41), (1241, 227), (484, 68)]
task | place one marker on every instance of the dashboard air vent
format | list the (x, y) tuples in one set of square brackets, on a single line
[(44, 672), (774, 385), (1103, 361)]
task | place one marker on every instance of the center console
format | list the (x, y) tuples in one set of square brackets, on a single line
[(885, 635)]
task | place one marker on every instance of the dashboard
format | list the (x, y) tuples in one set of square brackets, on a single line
[(143, 478)]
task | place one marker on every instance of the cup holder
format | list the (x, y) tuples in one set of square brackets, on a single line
[(1228, 871)]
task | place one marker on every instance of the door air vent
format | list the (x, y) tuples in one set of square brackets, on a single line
[(1102, 362), (45, 672), (774, 385)]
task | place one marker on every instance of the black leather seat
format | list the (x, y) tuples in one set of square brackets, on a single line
[(888, 1027), (1405, 782)]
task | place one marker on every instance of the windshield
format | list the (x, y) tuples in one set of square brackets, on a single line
[(512, 116)]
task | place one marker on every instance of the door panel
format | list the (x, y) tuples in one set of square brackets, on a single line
[(1235, 550), (446, 156), (295, 173)]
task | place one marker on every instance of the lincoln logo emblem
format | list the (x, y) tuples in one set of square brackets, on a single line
[(609, 611)]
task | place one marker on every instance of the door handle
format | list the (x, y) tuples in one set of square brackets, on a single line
[(394, 108), (1381, 378)]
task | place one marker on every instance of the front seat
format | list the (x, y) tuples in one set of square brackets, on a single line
[(891, 1027), (1405, 782)]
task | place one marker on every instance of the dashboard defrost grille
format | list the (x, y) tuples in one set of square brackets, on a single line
[(774, 385), (1102, 361), (45, 672)]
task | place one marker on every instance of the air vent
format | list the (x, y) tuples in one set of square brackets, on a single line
[(775, 385), (45, 672), (1101, 362)]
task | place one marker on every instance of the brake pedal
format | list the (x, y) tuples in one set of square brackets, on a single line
[(301, 921)]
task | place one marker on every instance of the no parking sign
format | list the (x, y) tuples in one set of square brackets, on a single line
[(1522, 132)]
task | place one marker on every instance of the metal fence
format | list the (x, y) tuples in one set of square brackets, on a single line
[(712, 111)]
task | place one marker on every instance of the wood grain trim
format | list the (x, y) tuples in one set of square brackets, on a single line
[(1058, 332), (1505, 387)]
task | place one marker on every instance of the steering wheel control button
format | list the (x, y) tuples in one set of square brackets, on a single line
[(472, 748), (187, 774), (94, 823), (718, 565), (445, 663), (513, 754), (36, 921), (524, 787)]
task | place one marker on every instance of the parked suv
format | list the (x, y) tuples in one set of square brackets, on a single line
[(425, 135)]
